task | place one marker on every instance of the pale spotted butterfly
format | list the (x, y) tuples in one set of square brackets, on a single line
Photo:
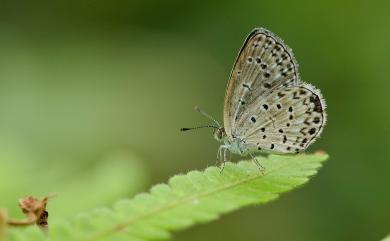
[(267, 107)]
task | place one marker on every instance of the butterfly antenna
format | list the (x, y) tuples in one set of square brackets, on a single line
[(198, 127), (207, 115)]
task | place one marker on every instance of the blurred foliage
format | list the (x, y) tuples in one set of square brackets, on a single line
[(77, 189), (80, 79)]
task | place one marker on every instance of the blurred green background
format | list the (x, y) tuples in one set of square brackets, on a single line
[(93, 93)]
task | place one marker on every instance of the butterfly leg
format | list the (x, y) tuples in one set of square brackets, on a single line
[(254, 159), (218, 154), (222, 156), (245, 151)]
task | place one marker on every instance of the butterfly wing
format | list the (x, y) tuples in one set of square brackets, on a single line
[(263, 63), (287, 120)]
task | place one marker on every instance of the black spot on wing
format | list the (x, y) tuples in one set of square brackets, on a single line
[(267, 85), (316, 120), (246, 86), (253, 119), (312, 131), (317, 104)]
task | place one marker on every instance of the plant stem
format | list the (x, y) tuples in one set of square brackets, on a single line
[(3, 224)]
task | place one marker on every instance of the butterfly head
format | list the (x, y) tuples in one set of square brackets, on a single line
[(219, 134)]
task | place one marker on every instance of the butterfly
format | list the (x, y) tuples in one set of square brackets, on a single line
[(267, 108)]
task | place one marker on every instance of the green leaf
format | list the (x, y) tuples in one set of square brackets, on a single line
[(387, 238), (186, 200)]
